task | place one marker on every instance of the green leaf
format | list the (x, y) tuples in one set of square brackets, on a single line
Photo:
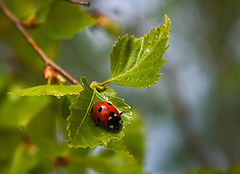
[(121, 163), (65, 19), (16, 111), (43, 7), (20, 8), (108, 162), (44, 132), (82, 130), (54, 90), (64, 104), (135, 62), (134, 133)]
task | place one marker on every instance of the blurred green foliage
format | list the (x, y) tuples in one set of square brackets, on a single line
[(65, 19), (203, 126), (33, 129)]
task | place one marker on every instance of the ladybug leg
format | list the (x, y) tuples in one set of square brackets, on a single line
[(121, 112)]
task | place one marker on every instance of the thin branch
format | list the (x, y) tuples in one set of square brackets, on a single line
[(43, 56), (79, 2)]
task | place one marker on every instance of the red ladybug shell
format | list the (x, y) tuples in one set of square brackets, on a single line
[(102, 112)]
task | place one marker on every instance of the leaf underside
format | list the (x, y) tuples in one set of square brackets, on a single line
[(82, 130), (135, 62), (54, 90)]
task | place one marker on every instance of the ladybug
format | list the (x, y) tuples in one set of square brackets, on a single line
[(105, 114)]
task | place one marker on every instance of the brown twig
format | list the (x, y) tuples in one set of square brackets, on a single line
[(79, 2), (43, 56)]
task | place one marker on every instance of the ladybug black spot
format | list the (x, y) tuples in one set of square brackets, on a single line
[(109, 103), (98, 119), (100, 109), (111, 114)]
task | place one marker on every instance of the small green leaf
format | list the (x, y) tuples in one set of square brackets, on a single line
[(135, 62), (110, 91), (65, 19), (54, 90), (82, 130), (25, 109)]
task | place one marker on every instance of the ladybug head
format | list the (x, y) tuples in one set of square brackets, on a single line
[(114, 123)]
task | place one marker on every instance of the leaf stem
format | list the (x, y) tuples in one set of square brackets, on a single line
[(43, 56), (79, 2), (104, 83)]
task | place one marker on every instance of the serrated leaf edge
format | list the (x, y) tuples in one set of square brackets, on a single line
[(167, 20), (106, 140)]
